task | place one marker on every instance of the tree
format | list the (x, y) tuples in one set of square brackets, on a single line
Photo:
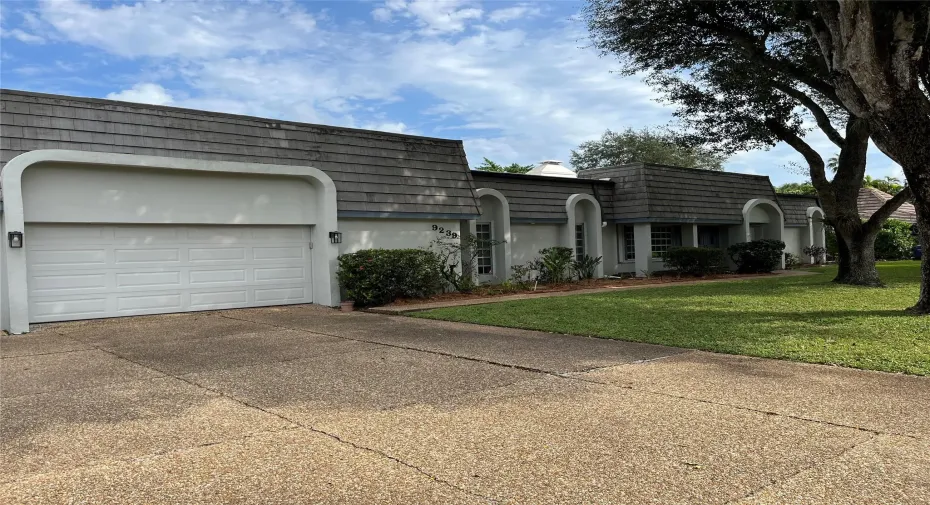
[(513, 168), (797, 188), (877, 57), (748, 75), (647, 146), (889, 184)]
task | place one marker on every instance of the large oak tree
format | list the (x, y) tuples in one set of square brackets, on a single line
[(747, 75)]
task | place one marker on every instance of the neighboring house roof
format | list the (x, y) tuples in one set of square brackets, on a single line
[(795, 207), (660, 193), (871, 199), (552, 168), (376, 173), (541, 199)]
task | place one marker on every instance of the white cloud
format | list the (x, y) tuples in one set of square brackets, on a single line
[(24, 37), (145, 92), (513, 13), (433, 16), (188, 29)]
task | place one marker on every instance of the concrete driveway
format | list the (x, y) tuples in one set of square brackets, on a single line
[(308, 405)]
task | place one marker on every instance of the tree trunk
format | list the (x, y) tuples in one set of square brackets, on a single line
[(857, 258), (923, 235)]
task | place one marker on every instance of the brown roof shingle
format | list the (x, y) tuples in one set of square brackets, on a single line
[(871, 199)]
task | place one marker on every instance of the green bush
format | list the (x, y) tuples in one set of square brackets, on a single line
[(791, 261), (380, 276), (757, 256), (817, 252), (895, 241), (586, 266), (554, 263), (699, 261)]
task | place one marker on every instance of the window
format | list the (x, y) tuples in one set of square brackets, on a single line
[(709, 236), (483, 253), (628, 249), (663, 238), (579, 242)]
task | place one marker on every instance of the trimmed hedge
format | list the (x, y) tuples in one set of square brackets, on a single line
[(758, 256), (699, 261), (895, 241), (380, 276)]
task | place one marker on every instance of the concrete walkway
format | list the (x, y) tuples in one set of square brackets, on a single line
[(461, 302), (308, 405)]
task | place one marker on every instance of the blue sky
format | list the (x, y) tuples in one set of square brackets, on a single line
[(516, 81)]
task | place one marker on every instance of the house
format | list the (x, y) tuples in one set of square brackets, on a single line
[(112, 208), (871, 199)]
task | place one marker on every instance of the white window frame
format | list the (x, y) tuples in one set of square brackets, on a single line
[(666, 238), (580, 243), (627, 252), (490, 249)]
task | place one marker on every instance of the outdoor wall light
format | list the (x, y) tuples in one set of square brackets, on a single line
[(16, 239), (335, 237)]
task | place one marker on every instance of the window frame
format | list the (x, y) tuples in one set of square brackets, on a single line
[(479, 256), (658, 251), (582, 249), (628, 238)]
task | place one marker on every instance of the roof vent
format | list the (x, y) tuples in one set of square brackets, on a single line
[(552, 168)]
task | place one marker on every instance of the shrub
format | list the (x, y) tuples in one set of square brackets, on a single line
[(586, 266), (554, 263), (698, 261), (895, 241), (521, 275), (458, 260), (380, 276), (818, 253), (791, 261), (757, 256)]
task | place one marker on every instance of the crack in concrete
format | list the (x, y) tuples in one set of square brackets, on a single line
[(282, 417), (48, 353), (776, 482)]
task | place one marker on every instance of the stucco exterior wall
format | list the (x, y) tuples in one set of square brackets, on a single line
[(794, 240), (359, 234), (56, 192), (528, 239)]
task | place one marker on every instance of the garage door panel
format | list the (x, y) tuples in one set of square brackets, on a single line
[(133, 280), (207, 254), (117, 270)]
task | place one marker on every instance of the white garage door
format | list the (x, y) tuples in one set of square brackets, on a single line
[(91, 271)]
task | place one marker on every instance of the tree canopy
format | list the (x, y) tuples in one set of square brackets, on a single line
[(797, 188), (647, 146), (513, 168)]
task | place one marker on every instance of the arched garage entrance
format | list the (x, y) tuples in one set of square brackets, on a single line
[(113, 235)]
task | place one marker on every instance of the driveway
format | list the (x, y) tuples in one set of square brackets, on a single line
[(308, 405)]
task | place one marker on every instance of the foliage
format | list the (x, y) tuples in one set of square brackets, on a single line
[(586, 266), (817, 252), (889, 184), (791, 261), (833, 248), (513, 168), (699, 261), (520, 275), (459, 258), (553, 264), (802, 318), (757, 256), (647, 146), (797, 188), (380, 276), (895, 241)]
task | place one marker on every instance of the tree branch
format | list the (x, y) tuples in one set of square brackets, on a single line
[(813, 158), (884, 212), (823, 120)]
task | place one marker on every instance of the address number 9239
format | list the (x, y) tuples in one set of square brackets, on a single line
[(442, 231)]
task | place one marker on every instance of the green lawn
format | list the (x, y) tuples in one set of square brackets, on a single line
[(804, 318)]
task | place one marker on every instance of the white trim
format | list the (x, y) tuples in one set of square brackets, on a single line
[(747, 231), (505, 233), (325, 286), (598, 250)]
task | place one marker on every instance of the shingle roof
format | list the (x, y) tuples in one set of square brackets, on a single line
[(871, 199), (646, 192), (795, 208), (540, 198), (375, 172)]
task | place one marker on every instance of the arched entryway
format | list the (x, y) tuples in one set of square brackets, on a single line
[(583, 231), (493, 261), (763, 219)]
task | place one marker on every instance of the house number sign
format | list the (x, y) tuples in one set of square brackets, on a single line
[(443, 231)]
